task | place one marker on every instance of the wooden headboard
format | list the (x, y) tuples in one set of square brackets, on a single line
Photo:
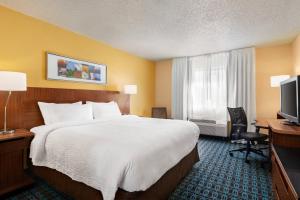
[(23, 110)]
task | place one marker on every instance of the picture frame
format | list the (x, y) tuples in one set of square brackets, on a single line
[(70, 69)]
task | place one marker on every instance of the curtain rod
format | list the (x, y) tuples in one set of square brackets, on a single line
[(215, 52)]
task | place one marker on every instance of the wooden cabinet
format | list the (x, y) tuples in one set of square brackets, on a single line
[(13, 160), (285, 156), (282, 185)]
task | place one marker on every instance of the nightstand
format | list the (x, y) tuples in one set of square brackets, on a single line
[(13, 160)]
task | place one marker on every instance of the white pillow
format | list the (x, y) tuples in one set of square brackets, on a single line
[(101, 110), (55, 113)]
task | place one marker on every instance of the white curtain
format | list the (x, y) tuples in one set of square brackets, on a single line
[(203, 86), (179, 88), (241, 82), (208, 87)]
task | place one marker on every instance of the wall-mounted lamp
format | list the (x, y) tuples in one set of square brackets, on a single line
[(130, 89), (276, 80)]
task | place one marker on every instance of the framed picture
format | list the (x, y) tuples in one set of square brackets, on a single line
[(69, 69)]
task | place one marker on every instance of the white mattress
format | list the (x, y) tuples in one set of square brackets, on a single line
[(127, 152)]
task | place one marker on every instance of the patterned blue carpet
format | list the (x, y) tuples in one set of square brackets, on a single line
[(217, 176)]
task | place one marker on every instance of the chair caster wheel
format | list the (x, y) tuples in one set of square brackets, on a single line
[(231, 154)]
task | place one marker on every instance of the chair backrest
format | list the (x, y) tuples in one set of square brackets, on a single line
[(159, 112), (237, 116)]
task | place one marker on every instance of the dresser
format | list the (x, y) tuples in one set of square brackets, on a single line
[(285, 158)]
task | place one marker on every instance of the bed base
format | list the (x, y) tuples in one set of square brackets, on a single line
[(159, 191)]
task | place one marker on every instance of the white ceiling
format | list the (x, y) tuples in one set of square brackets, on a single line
[(158, 29)]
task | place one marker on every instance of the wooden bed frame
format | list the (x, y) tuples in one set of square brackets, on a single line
[(24, 113)]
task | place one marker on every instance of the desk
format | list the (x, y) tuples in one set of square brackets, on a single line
[(262, 123), (285, 154), (284, 135)]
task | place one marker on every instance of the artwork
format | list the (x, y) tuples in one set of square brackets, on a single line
[(64, 68)]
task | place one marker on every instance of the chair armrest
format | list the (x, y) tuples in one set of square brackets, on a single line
[(239, 125)]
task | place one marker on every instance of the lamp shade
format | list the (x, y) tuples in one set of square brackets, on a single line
[(130, 89), (12, 81), (276, 80)]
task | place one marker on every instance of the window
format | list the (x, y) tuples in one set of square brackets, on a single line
[(208, 87)]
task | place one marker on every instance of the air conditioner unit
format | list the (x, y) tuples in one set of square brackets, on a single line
[(209, 127)]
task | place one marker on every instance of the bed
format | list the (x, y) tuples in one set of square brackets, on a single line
[(150, 161)]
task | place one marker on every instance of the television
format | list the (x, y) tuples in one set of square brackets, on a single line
[(289, 99)]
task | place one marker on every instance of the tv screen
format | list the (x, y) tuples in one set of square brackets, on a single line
[(289, 98)]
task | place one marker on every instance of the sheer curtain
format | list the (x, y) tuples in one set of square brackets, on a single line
[(179, 88), (203, 86), (208, 87), (241, 82)]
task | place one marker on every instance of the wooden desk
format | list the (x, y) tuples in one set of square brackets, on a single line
[(262, 123), (285, 154), (284, 135)]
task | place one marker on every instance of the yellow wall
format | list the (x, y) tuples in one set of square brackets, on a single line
[(296, 55), (271, 61), (25, 40), (163, 84)]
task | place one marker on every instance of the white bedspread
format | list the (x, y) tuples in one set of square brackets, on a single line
[(128, 152)]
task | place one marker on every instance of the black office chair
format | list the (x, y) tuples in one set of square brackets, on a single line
[(239, 131)]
